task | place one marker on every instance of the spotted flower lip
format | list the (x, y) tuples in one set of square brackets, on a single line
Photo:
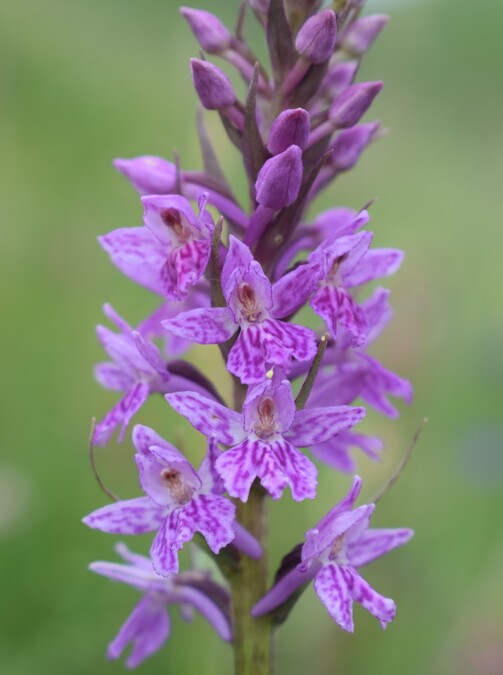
[(254, 306), (179, 502), (149, 625), (265, 437), (169, 254), (333, 551)]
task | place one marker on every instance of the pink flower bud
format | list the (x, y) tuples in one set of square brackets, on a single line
[(212, 85), (349, 145), (208, 30), (316, 39), (361, 34), (279, 180), (353, 103), (291, 127), (148, 175)]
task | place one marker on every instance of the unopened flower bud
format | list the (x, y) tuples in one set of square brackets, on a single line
[(353, 103), (208, 30), (339, 78), (349, 145), (316, 39), (212, 85), (148, 175), (361, 34), (279, 180), (291, 127)]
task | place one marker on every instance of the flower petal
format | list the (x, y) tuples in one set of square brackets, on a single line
[(331, 587), (143, 579), (291, 292), (374, 543), (206, 326), (283, 589), (336, 307), (379, 606), (209, 610), (214, 517), (121, 413), (138, 255), (112, 376), (239, 256), (246, 543), (379, 262), (317, 425), (276, 463), (208, 416), (147, 627), (131, 516)]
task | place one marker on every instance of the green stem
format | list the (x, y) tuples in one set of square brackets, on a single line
[(253, 653), (253, 648)]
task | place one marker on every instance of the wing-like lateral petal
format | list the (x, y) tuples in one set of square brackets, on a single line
[(132, 516), (138, 255), (377, 263), (208, 416), (374, 543), (205, 326), (317, 425)]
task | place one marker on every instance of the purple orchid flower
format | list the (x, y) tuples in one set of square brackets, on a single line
[(332, 553), (265, 437), (346, 262), (149, 625), (352, 373), (169, 254), (179, 502), (348, 373), (137, 369), (254, 306)]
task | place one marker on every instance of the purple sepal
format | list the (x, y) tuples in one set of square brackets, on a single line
[(208, 30), (149, 175), (315, 40), (353, 103), (212, 85), (291, 127), (279, 180), (283, 589), (360, 35)]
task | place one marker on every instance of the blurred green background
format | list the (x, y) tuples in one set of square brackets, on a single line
[(85, 81)]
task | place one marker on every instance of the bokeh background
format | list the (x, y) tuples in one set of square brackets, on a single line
[(85, 81)]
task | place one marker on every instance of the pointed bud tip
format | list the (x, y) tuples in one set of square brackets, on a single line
[(316, 39), (208, 30)]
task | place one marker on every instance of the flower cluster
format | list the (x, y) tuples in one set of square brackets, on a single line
[(237, 277)]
